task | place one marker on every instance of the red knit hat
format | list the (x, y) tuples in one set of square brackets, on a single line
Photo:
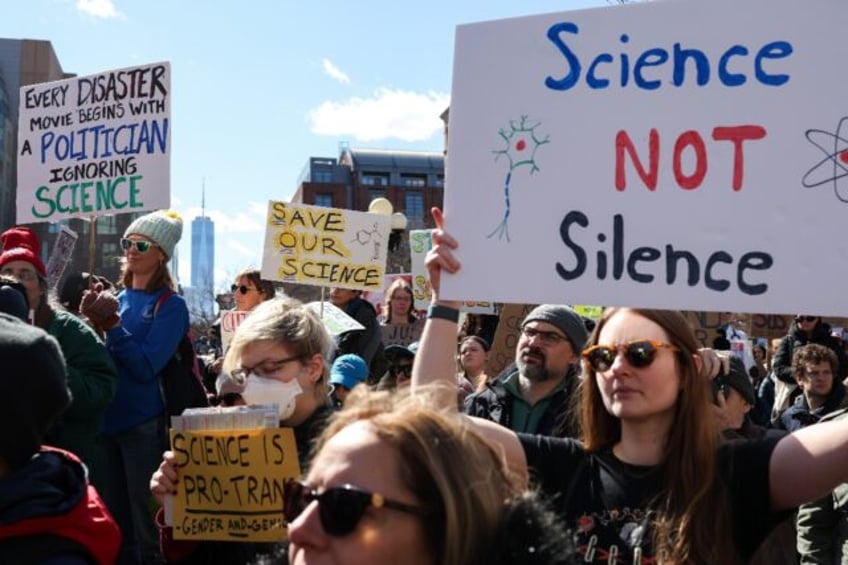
[(21, 244)]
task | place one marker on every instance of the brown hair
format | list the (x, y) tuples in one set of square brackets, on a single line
[(464, 502), (813, 353), (691, 515), (265, 287), (402, 285), (162, 277)]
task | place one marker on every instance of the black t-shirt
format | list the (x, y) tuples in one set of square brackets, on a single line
[(605, 501)]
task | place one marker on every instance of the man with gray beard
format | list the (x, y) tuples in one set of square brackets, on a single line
[(535, 395)]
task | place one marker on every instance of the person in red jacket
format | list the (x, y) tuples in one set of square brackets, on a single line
[(48, 510)]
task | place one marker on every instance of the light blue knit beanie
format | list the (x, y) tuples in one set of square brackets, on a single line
[(163, 227)]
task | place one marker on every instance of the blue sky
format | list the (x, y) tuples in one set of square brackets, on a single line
[(260, 86)]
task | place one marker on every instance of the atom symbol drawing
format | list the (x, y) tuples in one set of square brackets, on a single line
[(834, 166), (521, 143)]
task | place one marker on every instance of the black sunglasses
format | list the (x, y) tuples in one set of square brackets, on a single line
[(340, 508), (140, 244), (805, 318), (398, 369), (639, 353), (242, 289)]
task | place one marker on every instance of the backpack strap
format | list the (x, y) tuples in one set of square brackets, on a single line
[(162, 298)]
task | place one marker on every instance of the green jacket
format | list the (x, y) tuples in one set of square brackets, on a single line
[(92, 380)]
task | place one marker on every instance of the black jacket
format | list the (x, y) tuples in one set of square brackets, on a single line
[(799, 414), (495, 403), (782, 364)]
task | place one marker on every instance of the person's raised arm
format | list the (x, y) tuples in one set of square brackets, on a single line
[(435, 363), (808, 463), (435, 359)]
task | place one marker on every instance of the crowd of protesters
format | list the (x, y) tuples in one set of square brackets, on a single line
[(611, 440)]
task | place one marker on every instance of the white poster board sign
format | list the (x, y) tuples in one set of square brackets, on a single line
[(689, 155), (230, 321), (421, 241), (325, 246), (335, 320), (63, 249), (95, 145)]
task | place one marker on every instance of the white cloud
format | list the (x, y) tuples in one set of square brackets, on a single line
[(104, 9), (242, 249), (334, 72), (398, 114)]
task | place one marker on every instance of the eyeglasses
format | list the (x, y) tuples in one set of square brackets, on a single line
[(640, 353), (547, 338), (805, 318), (264, 369), (398, 369), (340, 508), (23, 275), (242, 289), (141, 245)]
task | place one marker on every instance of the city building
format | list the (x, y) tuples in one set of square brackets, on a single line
[(24, 62), (203, 262), (413, 181)]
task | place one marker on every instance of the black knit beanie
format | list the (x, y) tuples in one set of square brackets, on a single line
[(34, 388)]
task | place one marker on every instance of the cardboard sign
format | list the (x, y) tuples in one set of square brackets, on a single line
[(421, 241), (652, 155), (506, 336), (336, 321), (230, 321), (231, 483), (325, 246), (402, 334), (95, 145)]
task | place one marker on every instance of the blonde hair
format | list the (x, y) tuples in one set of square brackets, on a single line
[(290, 322), (691, 515), (462, 482)]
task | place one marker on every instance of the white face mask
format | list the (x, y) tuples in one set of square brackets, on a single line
[(259, 390)]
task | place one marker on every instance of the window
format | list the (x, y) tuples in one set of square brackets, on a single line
[(375, 193), (325, 200), (418, 181), (322, 176), (106, 225), (415, 210), (440, 181), (375, 179)]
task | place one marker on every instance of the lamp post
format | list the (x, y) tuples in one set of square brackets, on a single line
[(397, 258)]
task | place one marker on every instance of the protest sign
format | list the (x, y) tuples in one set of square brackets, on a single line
[(230, 321), (95, 145), (421, 241), (402, 334), (335, 320), (325, 246), (61, 255), (231, 483), (765, 326), (687, 155)]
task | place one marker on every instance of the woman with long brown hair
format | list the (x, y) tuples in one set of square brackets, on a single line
[(143, 326), (650, 481)]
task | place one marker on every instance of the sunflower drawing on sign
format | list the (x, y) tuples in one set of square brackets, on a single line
[(522, 142)]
